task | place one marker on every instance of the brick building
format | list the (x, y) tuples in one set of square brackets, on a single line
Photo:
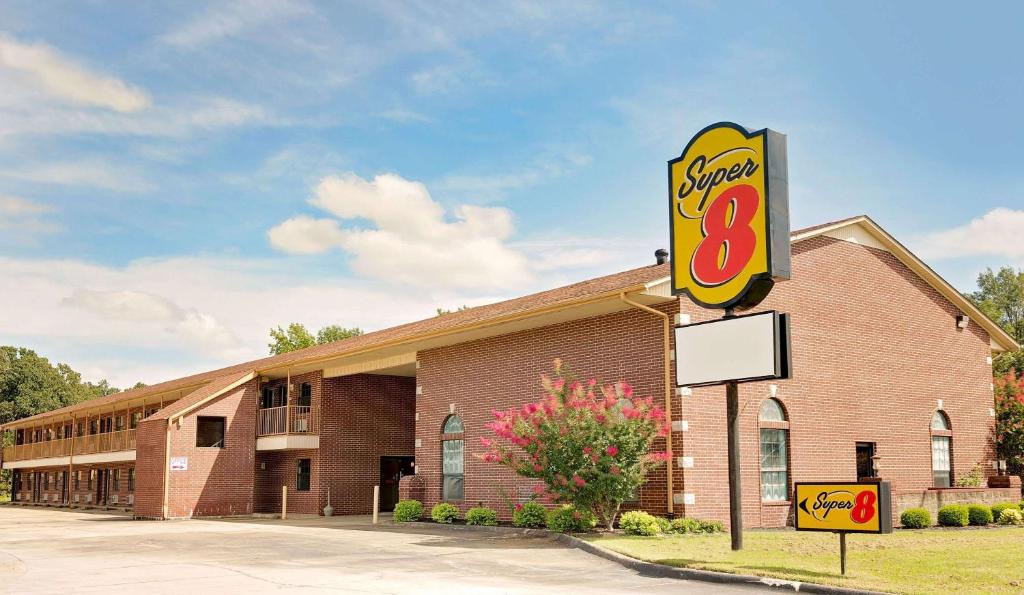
[(891, 380)]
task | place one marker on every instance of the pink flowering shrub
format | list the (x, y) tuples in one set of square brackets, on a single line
[(590, 445)]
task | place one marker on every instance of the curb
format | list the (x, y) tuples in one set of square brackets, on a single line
[(659, 570), (710, 576)]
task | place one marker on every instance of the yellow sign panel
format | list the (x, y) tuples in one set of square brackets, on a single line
[(729, 216), (849, 507)]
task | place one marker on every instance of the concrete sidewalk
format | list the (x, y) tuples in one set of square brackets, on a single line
[(60, 551)]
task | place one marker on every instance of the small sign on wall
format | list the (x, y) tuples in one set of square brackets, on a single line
[(179, 463)]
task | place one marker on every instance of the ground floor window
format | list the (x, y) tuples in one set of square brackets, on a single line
[(774, 455), (116, 478), (941, 471), (302, 476), (78, 480), (91, 480), (131, 479), (452, 459)]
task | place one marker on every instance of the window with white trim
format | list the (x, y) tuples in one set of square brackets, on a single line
[(774, 434)]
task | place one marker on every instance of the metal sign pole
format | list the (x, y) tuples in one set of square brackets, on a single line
[(842, 552), (732, 399)]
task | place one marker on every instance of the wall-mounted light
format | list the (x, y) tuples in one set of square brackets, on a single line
[(962, 320)]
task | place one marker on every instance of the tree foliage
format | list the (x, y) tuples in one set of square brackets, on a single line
[(443, 311), (590, 445), (297, 336), (1009, 428), (1000, 296)]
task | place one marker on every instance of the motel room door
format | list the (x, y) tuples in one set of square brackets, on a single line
[(392, 470), (101, 486)]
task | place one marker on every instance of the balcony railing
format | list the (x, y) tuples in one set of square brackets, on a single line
[(106, 442), (293, 419)]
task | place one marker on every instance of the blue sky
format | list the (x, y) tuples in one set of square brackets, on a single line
[(175, 179)]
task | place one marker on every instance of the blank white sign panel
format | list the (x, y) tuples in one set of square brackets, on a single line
[(739, 348)]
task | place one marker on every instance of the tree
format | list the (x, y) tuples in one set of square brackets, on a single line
[(298, 337), (1000, 296), (590, 446), (443, 311), (1009, 428), (335, 332)]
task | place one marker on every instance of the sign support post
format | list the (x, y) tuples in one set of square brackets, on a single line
[(732, 406), (842, 553)]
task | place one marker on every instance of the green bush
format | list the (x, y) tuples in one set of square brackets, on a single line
[(638, 522), (979, 515), (686, 525), (407, 511), (483, 516), (569, 520), (444, 513), (997, 509), (916, 518), (664, 525), (711, 526), (1011, 516), (530, 514), (1021, 505), (953, 515)]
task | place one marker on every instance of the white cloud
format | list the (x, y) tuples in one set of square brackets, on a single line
[(305, 235), (996, 233), (61, 78), (25, 218), (93, 173), (158, 319), (203, 330), (413, 240), (229, 19)]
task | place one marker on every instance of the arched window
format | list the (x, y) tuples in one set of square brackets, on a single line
[(774, 457), (942, 438), (452, 458)]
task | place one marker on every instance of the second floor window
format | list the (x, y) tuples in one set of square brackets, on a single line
[(210, 432)]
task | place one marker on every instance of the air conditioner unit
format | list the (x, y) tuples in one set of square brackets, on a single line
[(113, 499), (75, 498), (131, 499), (17, 496), (88, 498), (46, 497), (302, 425)]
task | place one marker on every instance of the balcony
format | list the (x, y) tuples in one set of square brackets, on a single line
[(287, 427), (80, 449)]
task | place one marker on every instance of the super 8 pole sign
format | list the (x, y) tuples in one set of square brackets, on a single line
[(844, 507), (729, 201)]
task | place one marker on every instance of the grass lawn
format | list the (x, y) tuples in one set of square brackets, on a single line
[(925, 561)]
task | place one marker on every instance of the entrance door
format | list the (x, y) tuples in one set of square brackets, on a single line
[(865, 460), (37, 486), (101, 487), (15, 483), (392, 470)]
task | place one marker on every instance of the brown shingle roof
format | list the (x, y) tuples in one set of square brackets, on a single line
[(609, 284)]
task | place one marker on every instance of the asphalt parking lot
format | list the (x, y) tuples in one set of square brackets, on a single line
[(62, 551)]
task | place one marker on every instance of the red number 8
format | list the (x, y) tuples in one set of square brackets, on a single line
[(864, 509), (735, 236)]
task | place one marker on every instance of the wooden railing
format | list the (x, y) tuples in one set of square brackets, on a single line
[(293, 419), (107, 442)]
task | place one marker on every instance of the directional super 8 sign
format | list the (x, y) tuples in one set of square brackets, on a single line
[(729, 201), (844, 507)]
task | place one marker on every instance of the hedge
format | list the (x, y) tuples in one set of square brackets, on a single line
[(916, 518)]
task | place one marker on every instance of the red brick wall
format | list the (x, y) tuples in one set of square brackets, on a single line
[(150, 451), (874, 347), (503, 371), (364, 417), (219, 481)]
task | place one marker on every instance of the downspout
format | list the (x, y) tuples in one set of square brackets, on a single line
[(667, 327)]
